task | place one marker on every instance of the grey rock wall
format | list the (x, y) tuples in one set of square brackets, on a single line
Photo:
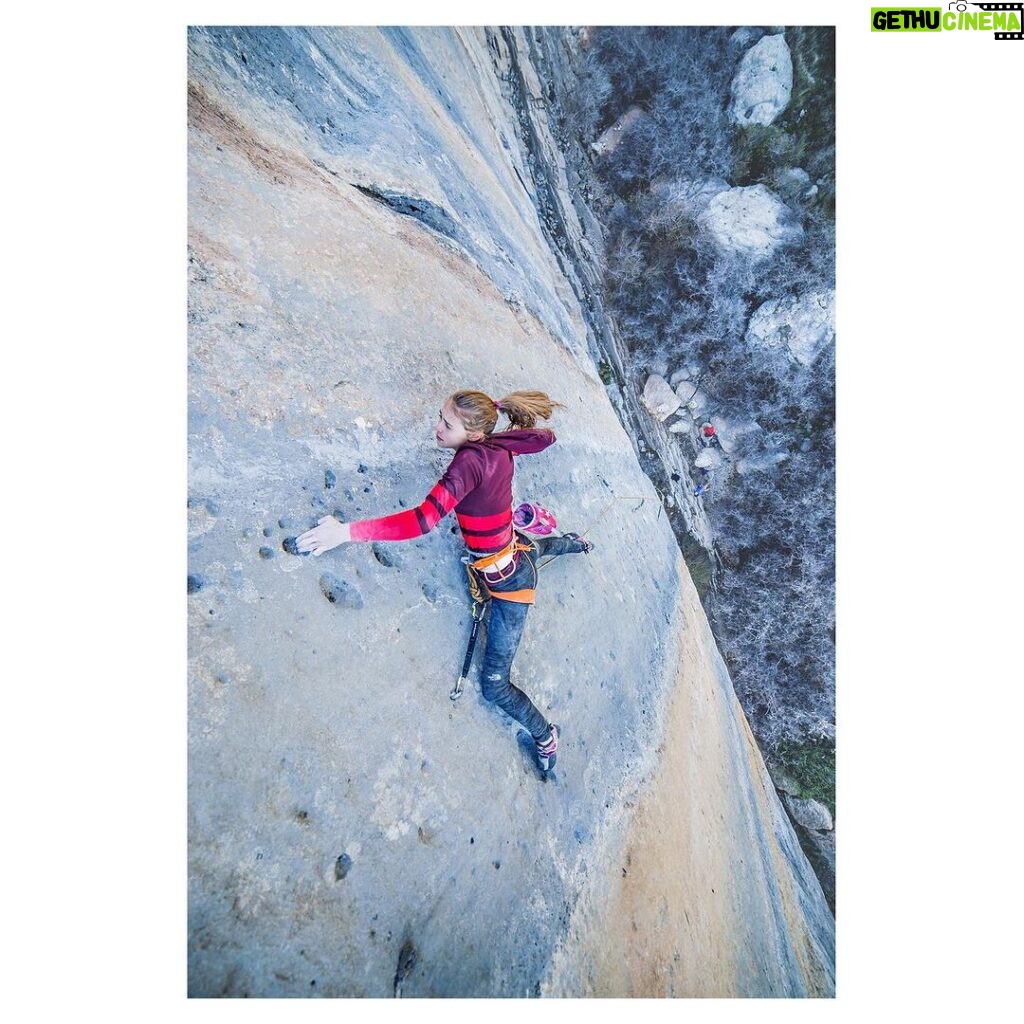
[(365, 237)]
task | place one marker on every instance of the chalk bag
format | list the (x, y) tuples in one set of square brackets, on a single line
[(533, 519)]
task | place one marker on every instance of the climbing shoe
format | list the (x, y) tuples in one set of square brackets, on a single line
[(583, 546), (546, 750)]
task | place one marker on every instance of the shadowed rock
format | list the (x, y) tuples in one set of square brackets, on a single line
[(387, 555), (340, 592), (342, 866), (407, 957)]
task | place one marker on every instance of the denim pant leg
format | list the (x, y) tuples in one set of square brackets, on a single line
[(554, 546), (504, 631)]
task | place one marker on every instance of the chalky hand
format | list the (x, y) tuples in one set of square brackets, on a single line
[(327, 534)]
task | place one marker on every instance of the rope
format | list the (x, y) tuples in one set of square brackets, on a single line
[(600, 516)]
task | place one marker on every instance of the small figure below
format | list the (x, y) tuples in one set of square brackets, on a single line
[(709, 435), (703, 483)]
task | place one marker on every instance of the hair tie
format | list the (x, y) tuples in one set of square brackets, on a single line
[(497, 406)]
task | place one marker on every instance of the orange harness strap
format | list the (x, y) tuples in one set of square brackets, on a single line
[(481, 564), (519, 596), (509, 549)]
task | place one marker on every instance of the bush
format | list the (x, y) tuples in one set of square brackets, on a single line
[(812, 766)]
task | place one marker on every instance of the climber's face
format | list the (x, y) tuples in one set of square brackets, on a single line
[(450, 433)]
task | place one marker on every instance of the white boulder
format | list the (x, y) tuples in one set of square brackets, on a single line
[(684, 423), (801, 324), (661, 401), (686, 390), (710, 458), (688, 372), (762, 86), (694, 399), (742, 36), (809, 813), (750, 220)]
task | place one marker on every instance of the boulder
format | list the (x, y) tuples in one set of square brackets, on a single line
[(743, 37), (683, 423), (802, 325), (764, 82), (785, 783), (792, 182), (661, 401), (809, 813), (710, 458), (750, 220), (695, 400), (686, 390)]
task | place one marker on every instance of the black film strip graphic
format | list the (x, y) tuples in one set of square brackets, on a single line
[(1019, 8)]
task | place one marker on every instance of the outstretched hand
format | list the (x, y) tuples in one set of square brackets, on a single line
[(327, 534)]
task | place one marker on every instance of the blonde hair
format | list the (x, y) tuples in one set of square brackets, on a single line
[(479, 412)]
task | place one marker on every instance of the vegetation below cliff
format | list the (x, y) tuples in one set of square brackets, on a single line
[(679, 302)]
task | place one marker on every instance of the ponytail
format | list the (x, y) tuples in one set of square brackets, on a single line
[(524, 408), (479, 412)]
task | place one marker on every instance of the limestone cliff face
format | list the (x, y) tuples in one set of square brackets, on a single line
[(364, 238)]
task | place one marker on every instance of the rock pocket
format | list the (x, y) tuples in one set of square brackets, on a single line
[(339, 592), (342, 866), (391, 559)]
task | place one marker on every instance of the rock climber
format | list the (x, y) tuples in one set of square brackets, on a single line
[(477, 485)]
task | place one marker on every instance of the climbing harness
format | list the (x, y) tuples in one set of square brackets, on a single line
[(480, 593), (501, 569)]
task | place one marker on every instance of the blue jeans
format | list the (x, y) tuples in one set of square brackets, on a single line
[(505, 630)]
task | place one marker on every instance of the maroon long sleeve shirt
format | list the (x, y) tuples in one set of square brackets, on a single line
[(477, 485)]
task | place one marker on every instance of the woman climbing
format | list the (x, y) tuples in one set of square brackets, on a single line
[(478, 486)]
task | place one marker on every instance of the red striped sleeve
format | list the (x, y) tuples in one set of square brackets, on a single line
[(411, 523), (464, 473)]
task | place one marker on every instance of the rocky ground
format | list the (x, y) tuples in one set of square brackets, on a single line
[(365, 237)]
